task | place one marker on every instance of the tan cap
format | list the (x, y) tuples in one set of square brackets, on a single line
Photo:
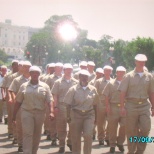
[(84, 72), (68, 65), (83, 63), (107, 67), (15, 61), (121, 68), (91, 63), (100, 70), (51, 65), (27, 63), (59, 65), (35, 68), (141, 57)]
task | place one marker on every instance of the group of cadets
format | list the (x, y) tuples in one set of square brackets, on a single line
[(77, 104)]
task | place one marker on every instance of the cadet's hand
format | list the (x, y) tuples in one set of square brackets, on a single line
[(51, 116), (14, 120), (10, 101), (68, 120), (123, 111)]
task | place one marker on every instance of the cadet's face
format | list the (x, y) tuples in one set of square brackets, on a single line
[(83, 67), (120, 74), (34, 75), (26, 68), (58, 69), (51, 70), (83, 80), (99, 75), (90, 68), (15, 67), (3, 70), (107, 72), (67, 71), (140, 63)]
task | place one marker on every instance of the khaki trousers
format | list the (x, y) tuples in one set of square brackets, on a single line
[(116, 119), (138, 123), (61, 125), (82, 123), (10, 108), (47, 121), (1, 108), (102, 125), (19, 128), (32, 122)]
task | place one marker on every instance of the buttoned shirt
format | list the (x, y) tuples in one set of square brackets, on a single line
[(34, 97), (81, 99), (111, 91), (92, 76), (61, 87), (51, 80), (17, 82), (100, 85), (11, 78), (137, 87)]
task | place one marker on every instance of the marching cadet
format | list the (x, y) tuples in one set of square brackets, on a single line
[(101, 110), (59, 90), (91, 67), (83, 66), (50, 68), (81, 108), (51, 126), (12, 96), (99, 74), (112, 99), (9, 104), (14, 88), (32, 97), (137, 88), (3, 111)]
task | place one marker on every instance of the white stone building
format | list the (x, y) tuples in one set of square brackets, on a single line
[(13, 39)]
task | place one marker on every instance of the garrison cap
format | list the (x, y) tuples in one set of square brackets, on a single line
[(35, 68), (121, 68), (107, 67), (68, 65), (84, 72), (83, 63), (91, 63), (100, 70)]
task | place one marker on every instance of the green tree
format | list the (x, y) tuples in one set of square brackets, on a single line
[(3, 57)]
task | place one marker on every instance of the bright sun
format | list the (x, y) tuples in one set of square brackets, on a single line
[(67, 32)]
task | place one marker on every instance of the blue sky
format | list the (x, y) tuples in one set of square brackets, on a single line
[(125, 19)]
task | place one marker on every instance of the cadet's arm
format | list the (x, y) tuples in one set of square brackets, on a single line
[(151, 98), (16, 108)]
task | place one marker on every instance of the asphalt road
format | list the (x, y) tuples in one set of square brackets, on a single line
[(6, 146)]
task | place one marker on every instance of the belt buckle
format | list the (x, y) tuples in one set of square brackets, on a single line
[(140, 102), (83, 111), (118, 105)]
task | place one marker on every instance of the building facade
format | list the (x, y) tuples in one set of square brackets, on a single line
[(13, 39)]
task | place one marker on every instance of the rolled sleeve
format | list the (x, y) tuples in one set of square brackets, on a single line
[(13, 86), (124, 84), (20, 95), (49, 97), (55, 88), (69, 97)]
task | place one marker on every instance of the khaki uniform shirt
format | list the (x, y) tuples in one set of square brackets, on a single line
[(5, 80), (76, 75), (16, 83), (61, 86), (100, 85), (11, 77), (34, 96), (137, 87), (92, 76), (51, 80), (81, 99), (111, 91)]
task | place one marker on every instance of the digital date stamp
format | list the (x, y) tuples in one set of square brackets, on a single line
[(141, 139)]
